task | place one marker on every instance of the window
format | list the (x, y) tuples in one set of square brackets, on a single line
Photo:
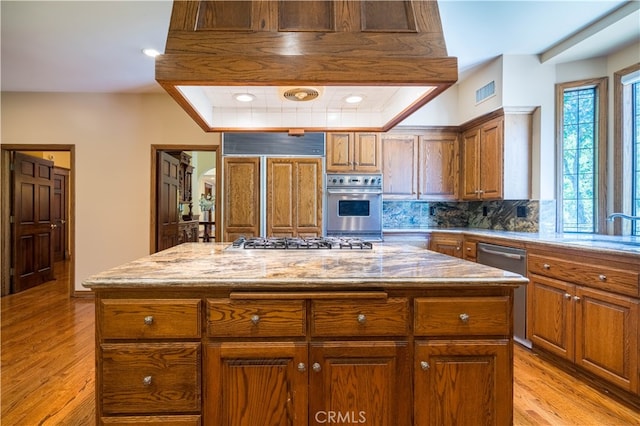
[(582, 147), (635, 125), (626, 162)]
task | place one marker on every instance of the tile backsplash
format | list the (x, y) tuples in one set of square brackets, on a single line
[(507, 215)]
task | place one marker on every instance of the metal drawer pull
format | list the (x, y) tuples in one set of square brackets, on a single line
[(567, 296), (464, 318), (255, 319), (424, 365), (148, 320), (546, 266), (302, 367), (362, 318), (316, 367), (602, 277), (146, 381)]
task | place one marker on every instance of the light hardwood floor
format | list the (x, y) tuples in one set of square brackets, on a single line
[(48, 369)]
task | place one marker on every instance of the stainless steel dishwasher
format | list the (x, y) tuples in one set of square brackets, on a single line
[(513, 260)]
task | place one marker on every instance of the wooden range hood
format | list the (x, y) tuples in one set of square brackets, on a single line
[(391, 53)]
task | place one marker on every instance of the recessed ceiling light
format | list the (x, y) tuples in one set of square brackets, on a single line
[(353, 99), (150, 52), (244, 97)]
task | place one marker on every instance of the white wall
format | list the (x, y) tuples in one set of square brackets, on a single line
[(112, 135)]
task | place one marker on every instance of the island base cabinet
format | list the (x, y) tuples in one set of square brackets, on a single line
[(360, 383), (255, 383), (150, 378), (461, 382)]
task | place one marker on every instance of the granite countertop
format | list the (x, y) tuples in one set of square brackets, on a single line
[(611, 244), (387, 265)]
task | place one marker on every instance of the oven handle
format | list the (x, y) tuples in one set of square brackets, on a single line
[(350, 191)]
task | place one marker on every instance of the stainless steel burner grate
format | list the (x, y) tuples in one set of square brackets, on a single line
[(278, 243)]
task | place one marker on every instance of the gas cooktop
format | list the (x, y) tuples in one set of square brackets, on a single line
[(295, 243)]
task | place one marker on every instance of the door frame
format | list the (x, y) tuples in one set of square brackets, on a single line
[(5, 208), (154, 192)]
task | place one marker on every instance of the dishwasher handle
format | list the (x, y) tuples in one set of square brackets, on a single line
[(501, 253)]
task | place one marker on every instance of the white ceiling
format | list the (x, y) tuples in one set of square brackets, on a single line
[(95, 46)]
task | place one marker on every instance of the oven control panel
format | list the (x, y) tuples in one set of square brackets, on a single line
[(349, 180)]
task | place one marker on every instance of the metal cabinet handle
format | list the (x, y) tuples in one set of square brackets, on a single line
[(567, 296), (146, 381), (424, 365), (602, 277), (148, 320), (576, 298), (316, 367), (464, 318), (53, 226), (546, 266), (255, 319), (302, 367), (362, 318)]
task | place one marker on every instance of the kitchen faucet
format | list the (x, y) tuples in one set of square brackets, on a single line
[(622, 216)]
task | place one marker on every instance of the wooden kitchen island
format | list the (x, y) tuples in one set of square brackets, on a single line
[(209, 334)]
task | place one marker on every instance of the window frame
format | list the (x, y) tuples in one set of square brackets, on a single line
[(622, 148), (600, 162)]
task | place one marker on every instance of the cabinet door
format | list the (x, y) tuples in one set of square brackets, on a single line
[(399, 167), (551, 315), (463, 383), (449, 245), (241, 197), (438, 173), (360, 382), (367, 152), (470, 162), (607, 336), (294, 197), (491, 161), (340, 152), (255, 383)]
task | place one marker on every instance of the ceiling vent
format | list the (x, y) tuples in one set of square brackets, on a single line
[(300, 94), (392, 53)]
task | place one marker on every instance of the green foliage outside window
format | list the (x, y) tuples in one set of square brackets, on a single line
[(636, 155), (578, 160)]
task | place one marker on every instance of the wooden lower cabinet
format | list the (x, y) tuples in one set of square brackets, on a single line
[(594, 329), (360, 382), (459, 382), (449, 244), (256, 383), (298, 358)]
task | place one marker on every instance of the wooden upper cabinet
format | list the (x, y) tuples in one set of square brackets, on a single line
[(353, 152), (438, 166), (399, 166), (241, 197), (294, 197), (421, 165), (496, 153)]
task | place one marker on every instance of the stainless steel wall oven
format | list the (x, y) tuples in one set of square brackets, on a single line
[(354, 206)]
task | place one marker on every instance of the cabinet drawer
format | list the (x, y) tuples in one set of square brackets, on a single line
[(360, 318), (445, 316), (585, 272), (235, 318), (150, 319), (150, 377), (193, 420)]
